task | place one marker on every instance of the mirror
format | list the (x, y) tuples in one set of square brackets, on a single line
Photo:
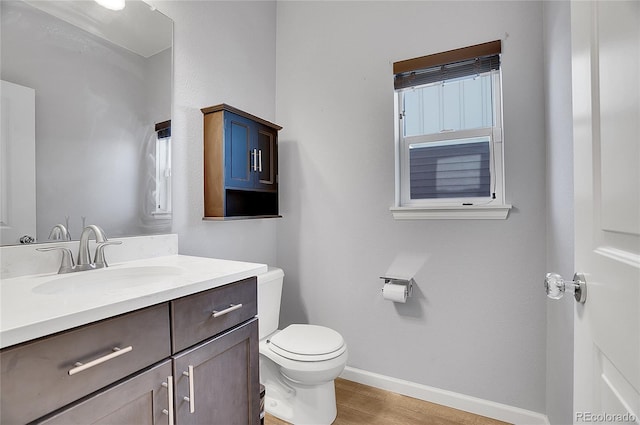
[(102, 81)]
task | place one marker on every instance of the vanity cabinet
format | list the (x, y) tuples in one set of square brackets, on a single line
[(240, 164), (203, 347)]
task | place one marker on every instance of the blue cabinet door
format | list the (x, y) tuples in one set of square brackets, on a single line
[(238, 148)]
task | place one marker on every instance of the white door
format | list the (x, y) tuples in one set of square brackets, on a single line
[(606, 124), (17, 163)]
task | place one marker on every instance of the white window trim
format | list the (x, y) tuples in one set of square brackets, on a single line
[(451, 208), (163, 174)]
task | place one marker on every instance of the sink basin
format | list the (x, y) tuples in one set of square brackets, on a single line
[(107, 280)]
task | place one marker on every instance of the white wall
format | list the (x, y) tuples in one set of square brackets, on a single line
[(560, 227), (224, 52), (476, 324)]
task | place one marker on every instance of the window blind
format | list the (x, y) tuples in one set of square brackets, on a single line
[(163, 129), (464, 62), (459, 170)]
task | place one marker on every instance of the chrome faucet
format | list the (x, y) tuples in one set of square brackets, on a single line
[(59, 232), (84, 256)]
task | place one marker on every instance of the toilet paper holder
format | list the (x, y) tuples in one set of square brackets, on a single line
[(408, 283)]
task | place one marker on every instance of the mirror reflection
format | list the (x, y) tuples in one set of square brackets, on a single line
[(86, 109)]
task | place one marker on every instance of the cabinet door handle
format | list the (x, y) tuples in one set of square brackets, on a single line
[(169, 386), (260, 160), (79, 367), (232, 307), (255, 159), (191, 398)]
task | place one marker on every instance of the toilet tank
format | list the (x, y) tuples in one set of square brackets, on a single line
[(269, 296)]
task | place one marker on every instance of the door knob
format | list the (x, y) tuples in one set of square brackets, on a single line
[(555, 286)]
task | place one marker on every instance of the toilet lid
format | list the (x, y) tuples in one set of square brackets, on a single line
[(307, 343)]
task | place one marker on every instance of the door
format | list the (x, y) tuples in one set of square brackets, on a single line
[(267, 159), (217, 382), (239, 155), (141, 400), (606, 117), (17, 163)]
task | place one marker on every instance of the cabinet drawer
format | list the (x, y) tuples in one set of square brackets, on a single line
[(138, 400), (36, 375), (193, 318)]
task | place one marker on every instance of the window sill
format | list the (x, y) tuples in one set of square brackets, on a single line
[(161, 215), (466, 212)]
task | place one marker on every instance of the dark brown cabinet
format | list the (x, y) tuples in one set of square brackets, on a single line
[(193, 360), (240, 164)]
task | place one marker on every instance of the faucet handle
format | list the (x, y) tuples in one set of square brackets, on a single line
[(67, 265), (98, 259)]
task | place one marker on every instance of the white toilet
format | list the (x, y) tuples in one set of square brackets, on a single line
[(297, 364)]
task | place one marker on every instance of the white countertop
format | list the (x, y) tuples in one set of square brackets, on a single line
[(34, 306)]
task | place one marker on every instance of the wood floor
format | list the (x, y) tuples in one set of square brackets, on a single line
[(363, 405)]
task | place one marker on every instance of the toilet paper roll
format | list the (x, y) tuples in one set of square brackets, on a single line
[(395, 293)]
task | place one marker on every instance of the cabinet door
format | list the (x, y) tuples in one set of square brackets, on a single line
[(220, 379), (239, 154), (267, 159), (139, 400)]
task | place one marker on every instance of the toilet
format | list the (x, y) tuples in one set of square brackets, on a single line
[(299, 363)]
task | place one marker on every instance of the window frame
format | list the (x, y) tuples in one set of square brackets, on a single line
[(492, 207), (162, 195)]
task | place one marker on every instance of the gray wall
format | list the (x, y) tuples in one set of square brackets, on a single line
[(476, 324), (224, 52), (560, 228)]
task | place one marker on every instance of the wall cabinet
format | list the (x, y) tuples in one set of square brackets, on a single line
[(240, 164), (193, 360)]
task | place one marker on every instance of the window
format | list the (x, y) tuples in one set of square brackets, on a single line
[(449, 160), (163, 170)]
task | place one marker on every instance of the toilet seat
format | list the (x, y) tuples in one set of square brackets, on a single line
[(307, 343)]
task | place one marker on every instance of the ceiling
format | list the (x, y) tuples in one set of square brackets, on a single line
[(138, 27)]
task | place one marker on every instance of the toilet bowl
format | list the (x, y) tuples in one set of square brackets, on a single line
[(299, 363)]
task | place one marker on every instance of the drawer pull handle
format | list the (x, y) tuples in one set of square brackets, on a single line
[(191, 398), (232, 307), (169, 386), (79, 367)]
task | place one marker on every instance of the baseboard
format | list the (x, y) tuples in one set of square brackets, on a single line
[(490, 409)]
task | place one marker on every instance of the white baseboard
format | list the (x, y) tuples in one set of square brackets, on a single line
[(490, 409)]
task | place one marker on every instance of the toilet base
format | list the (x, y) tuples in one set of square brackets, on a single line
[(297, 403), (312, 405)]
